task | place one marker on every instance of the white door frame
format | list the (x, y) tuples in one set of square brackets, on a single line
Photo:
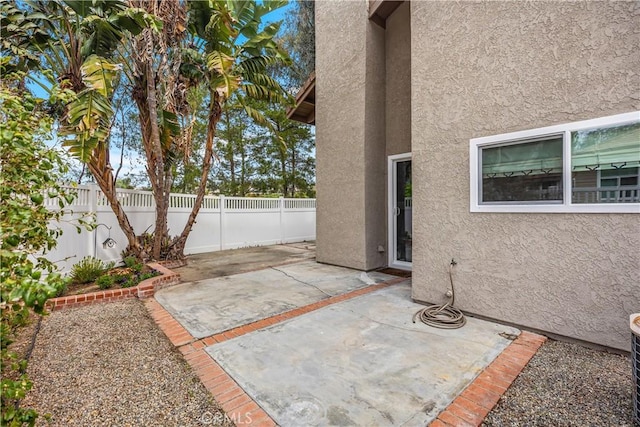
[(392, 163)]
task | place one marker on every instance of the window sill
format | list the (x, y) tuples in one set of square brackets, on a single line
[(632, 208)]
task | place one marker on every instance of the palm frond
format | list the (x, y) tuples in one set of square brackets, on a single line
[(87, 123), (99, 74), (219, 62), (89, 115), (264, 94)]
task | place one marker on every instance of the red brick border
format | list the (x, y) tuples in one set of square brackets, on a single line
[(476, 401), (468, 409), (172, 329), (237, 404), (144, 289)]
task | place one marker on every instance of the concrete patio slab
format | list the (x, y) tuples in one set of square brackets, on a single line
[(215, 305), (234, 261), (359, 362)]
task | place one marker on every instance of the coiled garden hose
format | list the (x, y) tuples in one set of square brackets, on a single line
[(444, 316)]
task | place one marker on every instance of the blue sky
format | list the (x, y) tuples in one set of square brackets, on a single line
[(276, 15), (131, 162)]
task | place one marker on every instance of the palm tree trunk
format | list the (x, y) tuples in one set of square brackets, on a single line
[(215, 112), (157, 163)]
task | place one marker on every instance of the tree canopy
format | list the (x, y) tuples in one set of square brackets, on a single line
[(203, 78)]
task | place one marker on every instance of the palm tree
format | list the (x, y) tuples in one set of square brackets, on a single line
[(78, 62), (237, 54), (160, 93), (166, 49)]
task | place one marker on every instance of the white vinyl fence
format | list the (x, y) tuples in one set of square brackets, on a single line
[(222, 223)]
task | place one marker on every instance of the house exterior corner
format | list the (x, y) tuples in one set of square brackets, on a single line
[(439, 80)]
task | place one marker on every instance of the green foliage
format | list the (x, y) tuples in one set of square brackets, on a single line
[(130, 261), (298, 38), (19, 30), (89, 113), (133, 263), (130, 282), (240, 53), (148, 275), (88, 270), (119, 278), (253, 161), (28, 184), (105, 281), (82, 40)]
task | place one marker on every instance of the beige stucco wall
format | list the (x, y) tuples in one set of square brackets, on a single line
[(398, 81), (349, 136), (480, 69)]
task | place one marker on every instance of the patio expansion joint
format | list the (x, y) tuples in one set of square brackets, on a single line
[(236, 403), (475, 402), (281, 317), (302, 281)]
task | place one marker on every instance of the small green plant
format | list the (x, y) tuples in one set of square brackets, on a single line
[(119, 278), (62, 287), (130, 261), (133, 263), (88, 270), (105, 281), (145, 276), (129, 283)]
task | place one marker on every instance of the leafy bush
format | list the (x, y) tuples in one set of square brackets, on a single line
[(133, 263), (105, 281), (119, 278), (30, 170), (148, 275), (129, 283), (88, 270)]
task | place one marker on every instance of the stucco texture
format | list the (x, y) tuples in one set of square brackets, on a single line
[(350, 142), (340, 195), (487, 68), (398, 81)]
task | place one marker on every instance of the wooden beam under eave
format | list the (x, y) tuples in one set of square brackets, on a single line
[(311, 118), (309, 104), (304, 110)]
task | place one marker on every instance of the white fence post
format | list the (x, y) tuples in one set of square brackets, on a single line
[(222, 206), (243, 222), (281, 219)]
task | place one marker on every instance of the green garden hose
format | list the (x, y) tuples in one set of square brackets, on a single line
[(444, 316)]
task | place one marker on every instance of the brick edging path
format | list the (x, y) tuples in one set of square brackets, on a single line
[(468, 409), (476, 401), (237, 404), (144, 289)]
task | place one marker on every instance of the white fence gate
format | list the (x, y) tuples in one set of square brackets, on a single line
[(222, 223)]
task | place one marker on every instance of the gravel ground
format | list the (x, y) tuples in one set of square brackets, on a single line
[(568, 385), (110, 365)]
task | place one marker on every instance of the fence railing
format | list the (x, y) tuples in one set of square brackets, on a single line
[(620, 194), (222, 223)]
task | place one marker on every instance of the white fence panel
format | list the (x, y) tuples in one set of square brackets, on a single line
[(222, 223), (298, 220)]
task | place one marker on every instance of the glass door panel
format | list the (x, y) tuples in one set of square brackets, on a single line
[(402, 211)]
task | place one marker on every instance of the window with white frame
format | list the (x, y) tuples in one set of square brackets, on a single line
[(587, 166)]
